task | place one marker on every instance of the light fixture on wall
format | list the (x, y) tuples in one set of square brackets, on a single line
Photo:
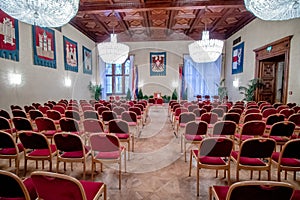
[(236, 83), (68, 82), (274, 9), (113, 52), (43, 13), (206, 50), (15, 79)]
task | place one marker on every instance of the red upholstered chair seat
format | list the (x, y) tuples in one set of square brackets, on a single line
[(108, 155), (248, 161), (122, 135), (193, 137), (43, 152), (292, 162), (132, 123), (75, 154), (212, 160), (11, 151)]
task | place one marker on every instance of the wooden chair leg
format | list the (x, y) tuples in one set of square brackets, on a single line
[(190, 170)]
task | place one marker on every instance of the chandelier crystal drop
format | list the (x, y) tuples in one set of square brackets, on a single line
[(43, 13), (206, 50), (274, 10), (113, 52)]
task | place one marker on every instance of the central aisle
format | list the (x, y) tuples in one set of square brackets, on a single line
[(157, 147)]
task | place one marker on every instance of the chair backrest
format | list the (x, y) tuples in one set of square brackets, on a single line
[(53, 114), (68, 125), (252, 110), (97, 105), (218, 111), (136, 110), (281, 107), (272, 119), (118, 110), (208, 108), (191, 108), (269, 111), (45, 124), (257, 148), (59, 108), (68, 142), (283, 128), (4, 124), (72, 114), (104, 142), (224, 107), (87, 108), (5, 114), (260, 190), (196, 128), (291, 149), (159, 101), (7, 141), (236, 110), (287, 112), (224, 128), (18, 113), (252, 116), (254, 128), (108, 115), (129, 116), (44, 109), (125, 105), (15, 107), (89, 114), (209, 117), (118, 126), (290, 104), (235, 117), (296, 108), (187, 117), (101, 109), (33, 114), (277, 104), (21, 123), (33, 140), (65, 187), (28, 108), (295, 118), (12, 187), (216, 147), (199, 111), (93, 126), (74, 108)]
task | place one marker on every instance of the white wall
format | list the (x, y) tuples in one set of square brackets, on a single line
[(39, 83), (164, 84), (259, 33)]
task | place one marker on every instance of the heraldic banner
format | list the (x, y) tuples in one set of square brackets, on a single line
[(158, 63)]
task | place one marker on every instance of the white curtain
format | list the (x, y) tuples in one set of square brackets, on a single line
[(200, 78)]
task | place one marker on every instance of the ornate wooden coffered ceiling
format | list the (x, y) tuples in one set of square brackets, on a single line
[(160, 20)]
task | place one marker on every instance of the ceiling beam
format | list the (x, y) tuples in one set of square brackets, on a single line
[(148, 5), (123, 24), (199, 14)]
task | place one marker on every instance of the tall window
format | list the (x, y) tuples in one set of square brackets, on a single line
[(117, 78), (201, 78)]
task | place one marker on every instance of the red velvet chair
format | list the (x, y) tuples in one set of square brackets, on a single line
[(36, 147), (106, 149), (194, 133), (213, 153), (70, 148), (254, 154), (10, 150), (46, 126), (249, 190), (14, 188), (255, 128), (288, 159), (50, 186)]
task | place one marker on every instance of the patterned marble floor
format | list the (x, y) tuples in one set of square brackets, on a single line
[(156, 170)]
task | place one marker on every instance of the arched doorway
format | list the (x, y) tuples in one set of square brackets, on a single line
[(272, 66)]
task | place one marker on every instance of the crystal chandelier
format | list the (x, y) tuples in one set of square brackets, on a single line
[(43, 13), (113, 52), (205, 50), (274, 9)]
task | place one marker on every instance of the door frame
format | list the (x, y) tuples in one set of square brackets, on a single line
[(273, 49)]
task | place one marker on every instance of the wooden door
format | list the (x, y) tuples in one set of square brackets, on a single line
[(268, 75)]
